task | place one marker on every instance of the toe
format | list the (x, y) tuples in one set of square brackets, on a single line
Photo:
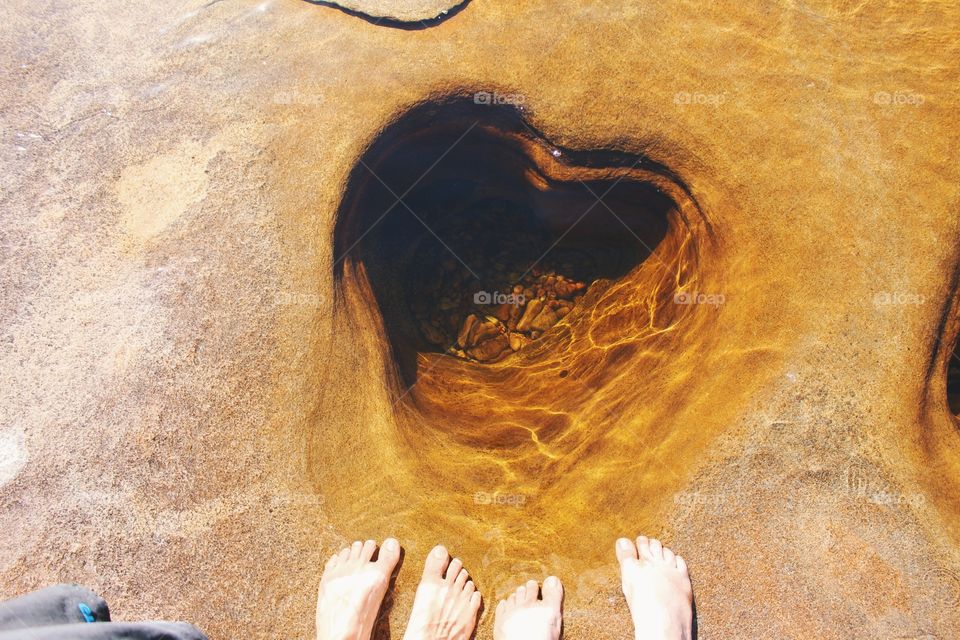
[(389, 555), (501, 607), (552, 591), (520, 595), (656, 549), (475, 601), (344, 555), (366, 552), (532, 590), (355, 550), (682, 564), (669, 556), (332, 562), (512, 600), (453, 571), (643, 548), (461, 579), (436, 563), (469, 587), (626, 550)]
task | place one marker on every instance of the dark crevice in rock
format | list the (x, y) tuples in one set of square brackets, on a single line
[(945, 358), (953, 379), (409, 19)]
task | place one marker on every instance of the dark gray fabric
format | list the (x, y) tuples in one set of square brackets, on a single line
[(59, 604), (55, 613), (109, 631)]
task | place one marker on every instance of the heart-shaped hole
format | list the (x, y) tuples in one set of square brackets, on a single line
[(477, 237), (487, 426)]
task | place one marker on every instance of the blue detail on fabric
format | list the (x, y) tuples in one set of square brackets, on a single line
[(87, 613)]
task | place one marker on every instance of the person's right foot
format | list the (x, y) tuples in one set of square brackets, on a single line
[(657, 588), (352, 589), (524, 616), (446, 604)]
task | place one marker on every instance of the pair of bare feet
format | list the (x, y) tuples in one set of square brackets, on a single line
[(654, 579)]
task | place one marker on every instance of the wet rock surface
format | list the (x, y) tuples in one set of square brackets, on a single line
[(173, 385)]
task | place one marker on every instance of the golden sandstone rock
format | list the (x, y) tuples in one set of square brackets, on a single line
[(205, 389)]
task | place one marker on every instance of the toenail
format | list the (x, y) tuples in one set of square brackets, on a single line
[(390, 545), (552, 581), (439, 552), (624, 544)]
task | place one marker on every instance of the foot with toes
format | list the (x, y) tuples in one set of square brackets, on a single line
[(531, 613), (654, 579), (446, 604), (352, 590), (658, 591)]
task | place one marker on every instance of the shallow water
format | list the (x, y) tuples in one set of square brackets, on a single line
[(530, 464)]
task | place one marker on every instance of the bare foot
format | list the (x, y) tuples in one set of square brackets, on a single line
[(446, 604), (658, 591), (524, 616), (352, 589)]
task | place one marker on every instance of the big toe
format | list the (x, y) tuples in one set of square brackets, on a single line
[(626, 550), (389, 555), (552, 592), (436, 563)]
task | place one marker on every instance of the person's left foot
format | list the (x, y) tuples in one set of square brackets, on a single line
[(352, 589), (446, 604)]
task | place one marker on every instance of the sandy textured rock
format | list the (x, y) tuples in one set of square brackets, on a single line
[(183, 403)]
